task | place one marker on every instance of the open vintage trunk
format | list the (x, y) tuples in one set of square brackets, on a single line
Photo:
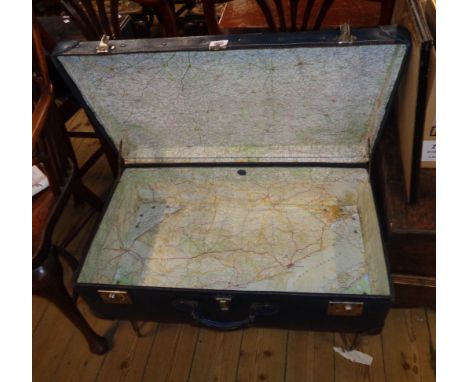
[(245, 195)]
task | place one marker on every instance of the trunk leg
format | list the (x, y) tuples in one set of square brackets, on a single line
[(136, 328), (355, 341)]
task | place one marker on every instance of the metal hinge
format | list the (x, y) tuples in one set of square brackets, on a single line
[(344, 308), (104, 45), (115, 296), (345, 36)]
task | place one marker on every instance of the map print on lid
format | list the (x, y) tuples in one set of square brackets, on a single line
[(318, 104)]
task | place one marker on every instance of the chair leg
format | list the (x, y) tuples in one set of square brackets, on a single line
[(81, 192), (69, 258), (136, 328), (47, 281), (75, 231), (91, 161), (72, 262)]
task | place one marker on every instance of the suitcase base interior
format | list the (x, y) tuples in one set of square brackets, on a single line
[(266, 229)]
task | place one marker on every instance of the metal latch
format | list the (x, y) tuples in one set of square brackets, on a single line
[(224, 302), (115, 296), (343, 308), (104, 45), (345, 36)]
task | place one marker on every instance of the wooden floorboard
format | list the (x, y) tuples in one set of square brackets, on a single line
[(348, 371), (50, 341), (171, 354), (310, 357), (117, 363), (263, 355), (78, 363), (405, 351), (431, 322), (141, 354), (39, 306), (406, 346), (216, 356)]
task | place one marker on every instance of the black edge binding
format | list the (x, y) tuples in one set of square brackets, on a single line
[(363, 36)]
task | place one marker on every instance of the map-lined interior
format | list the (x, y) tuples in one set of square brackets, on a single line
[(318, 104), (255, 228)]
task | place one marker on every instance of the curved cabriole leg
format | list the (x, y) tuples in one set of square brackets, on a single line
[(47, 281)]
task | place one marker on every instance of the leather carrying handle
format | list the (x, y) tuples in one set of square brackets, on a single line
[(222, 325), (255, 310)]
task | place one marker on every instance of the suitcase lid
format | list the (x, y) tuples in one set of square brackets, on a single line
[(315, 97)]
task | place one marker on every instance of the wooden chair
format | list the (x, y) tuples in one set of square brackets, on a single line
[(94, 24), (68, 106), (165, 13), (284, 15), (94, 20), (52, 153), (293, 7)]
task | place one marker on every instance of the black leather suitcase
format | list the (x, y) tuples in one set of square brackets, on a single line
[(245, 196)]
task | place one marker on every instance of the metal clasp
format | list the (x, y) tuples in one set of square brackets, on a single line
[(345, 308), (224, 303), (104, 45), (345, 36), (115, 297)]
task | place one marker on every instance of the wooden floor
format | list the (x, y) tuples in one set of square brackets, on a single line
[(405, 351)]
